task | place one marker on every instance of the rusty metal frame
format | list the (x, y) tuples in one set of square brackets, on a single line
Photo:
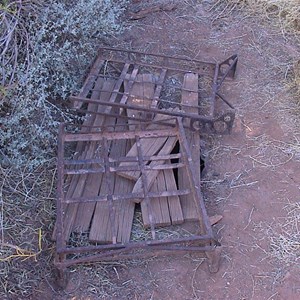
[(127, 64), (218, 123), (206, 241)]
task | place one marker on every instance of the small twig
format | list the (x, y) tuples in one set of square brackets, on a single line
[(193, 278), (244, 184), (250, 218), (272, 296), (271, 165)]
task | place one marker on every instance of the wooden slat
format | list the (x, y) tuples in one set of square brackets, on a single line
[(93, 181), (166, 210), (152, 174), (175, 210), (190, 98), (85, 151), (150, 146), (124, 209), (101, 228), (159, 205), (142, 91)]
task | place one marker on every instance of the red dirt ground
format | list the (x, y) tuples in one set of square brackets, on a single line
[(251, 174)]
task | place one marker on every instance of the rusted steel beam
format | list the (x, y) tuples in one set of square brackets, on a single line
[(128, 197), (96, 136), (195, 186), (118, 255), (140, 245), (193, 65), (172, 113), (120, 159)]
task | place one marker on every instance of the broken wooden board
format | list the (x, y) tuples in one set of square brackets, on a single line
[(165, 210), (174, 204), (190, 98), (149, 147), (141, 94), (92, 184), (77, 182), (151, 175), (102, 228), (158, 206)]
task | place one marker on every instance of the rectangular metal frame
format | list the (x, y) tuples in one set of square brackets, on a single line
[(113, 251), (219, 123)]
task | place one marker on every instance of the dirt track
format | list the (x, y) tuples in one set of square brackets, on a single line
[(251, 175)]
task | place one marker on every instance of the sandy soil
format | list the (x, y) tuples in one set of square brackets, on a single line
[(251, 175)]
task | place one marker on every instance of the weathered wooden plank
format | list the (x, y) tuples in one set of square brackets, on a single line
[(152, 174), (124, 209), (175, 210), (150, 146), (159, 205), (92, 184), (141, 94), (101, 228), (190, 98)]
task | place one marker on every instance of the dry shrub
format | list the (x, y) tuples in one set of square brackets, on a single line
[(284, 13), (295, 82), (286, 246)]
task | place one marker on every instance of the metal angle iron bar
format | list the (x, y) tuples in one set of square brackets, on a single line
[(123, 169), (136, 245), (195, 187), (226, 101), (231, 68), (120, 159), (118, 255), (128, 197), (174, 113), (214, 91), (96, 136), (170, 68), (141, 108), (115, 49)]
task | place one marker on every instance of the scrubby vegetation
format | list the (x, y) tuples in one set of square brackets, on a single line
[(45, 49)]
